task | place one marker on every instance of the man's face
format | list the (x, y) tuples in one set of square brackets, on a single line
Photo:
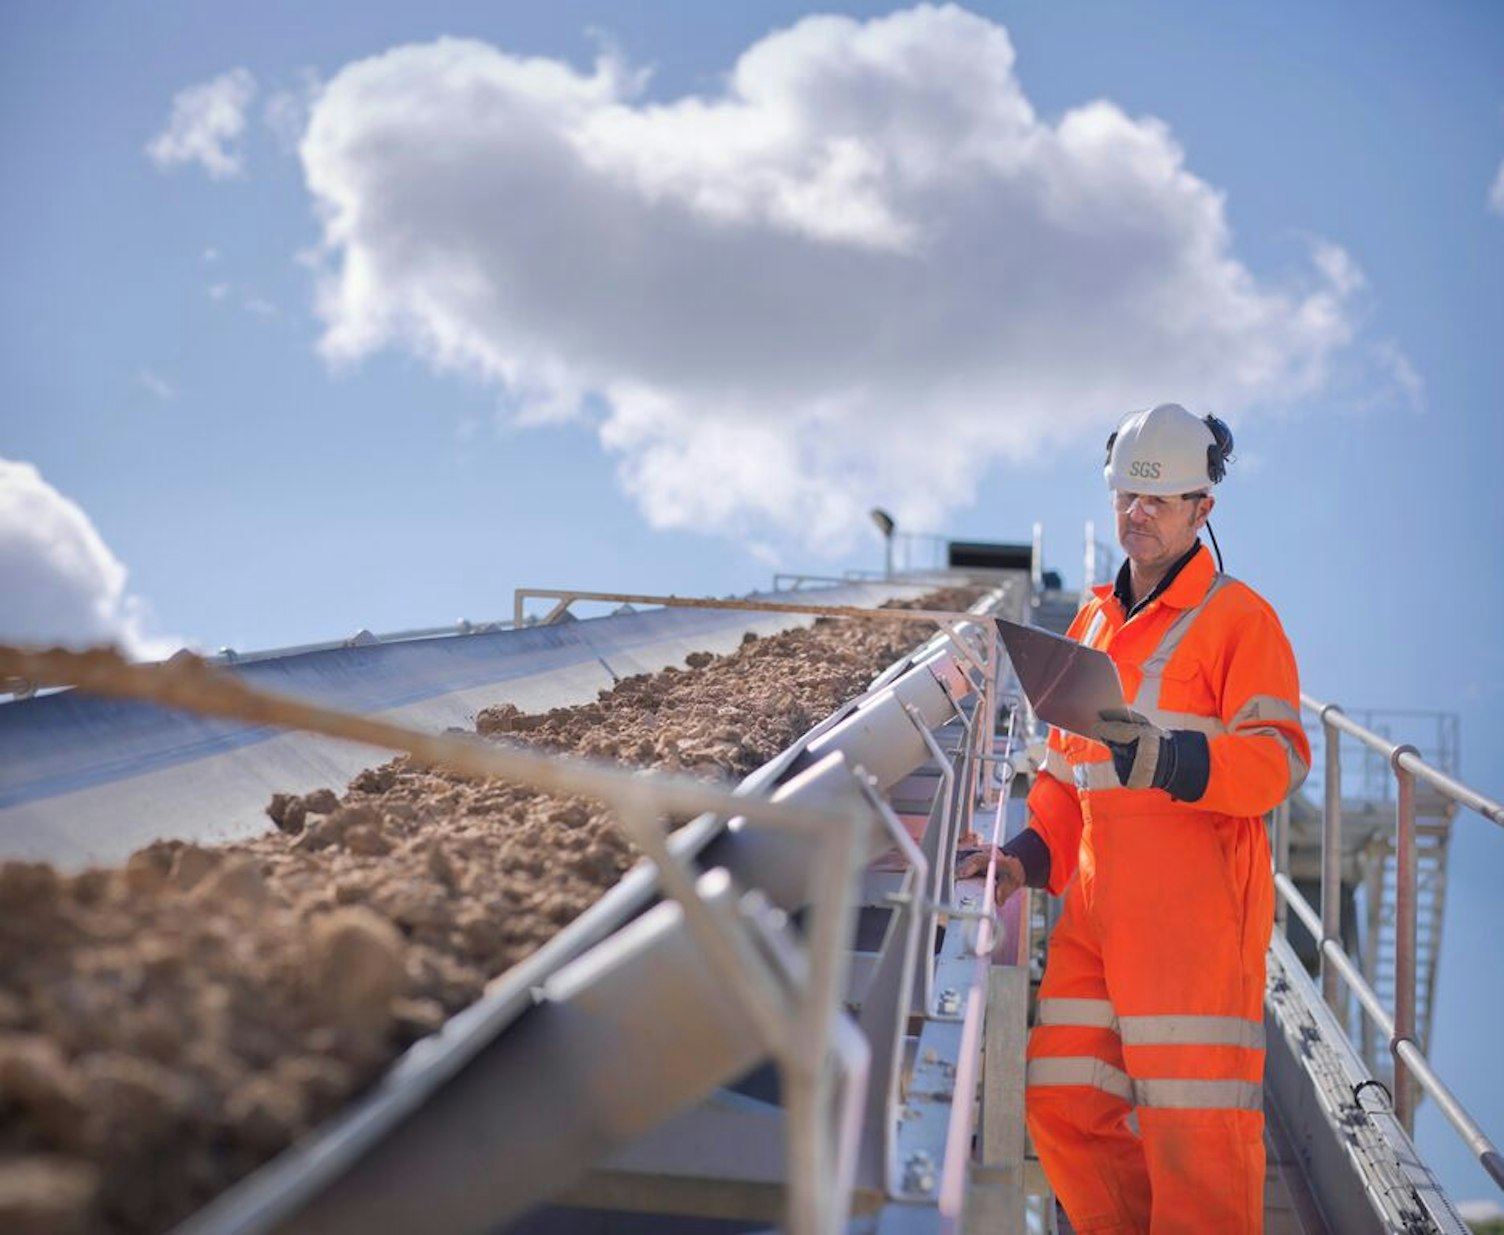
[(1155, 532)]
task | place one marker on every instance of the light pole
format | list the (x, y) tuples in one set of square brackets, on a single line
[(885, 525)]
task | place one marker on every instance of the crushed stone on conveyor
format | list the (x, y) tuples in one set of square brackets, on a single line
[(168, 1025)]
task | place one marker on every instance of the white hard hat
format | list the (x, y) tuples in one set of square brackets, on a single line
[(1165, 451)]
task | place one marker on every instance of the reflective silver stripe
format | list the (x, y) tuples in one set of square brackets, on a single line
[(1185, 1095), (1295, 764), (1297, 767), (1154, 667), (1169, 1094), (1096, 776), (1080, 1070), (1265, 707), (1100, 776), (1086, 1013), (1190, 1031), (1208, 725), (1271, 731), (1057, 765)]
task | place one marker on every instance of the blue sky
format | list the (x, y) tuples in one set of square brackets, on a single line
[(655, 321)]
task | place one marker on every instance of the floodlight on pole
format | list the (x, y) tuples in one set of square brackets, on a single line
[(885, 525)]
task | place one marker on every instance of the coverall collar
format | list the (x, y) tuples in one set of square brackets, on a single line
[(1184, 584)]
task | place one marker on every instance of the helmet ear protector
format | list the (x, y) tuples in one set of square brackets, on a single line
[(1218, 454)]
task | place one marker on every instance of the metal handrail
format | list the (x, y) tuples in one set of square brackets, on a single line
[(1411, 1064), (1409, 760), (786, 582), (231, 657), (905, 545), (361, 638)]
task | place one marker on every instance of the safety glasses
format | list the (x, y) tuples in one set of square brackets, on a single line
[(1148, 503)]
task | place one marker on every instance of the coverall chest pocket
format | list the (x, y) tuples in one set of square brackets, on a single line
[(1185, 686)]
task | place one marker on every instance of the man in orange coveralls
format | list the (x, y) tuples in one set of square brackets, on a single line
[(1152, 1001)]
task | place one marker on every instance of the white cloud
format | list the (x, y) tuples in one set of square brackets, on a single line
[(764, 553), (206, 125), (1405, 377), (1496, 193), (286, 111), (218, 291), (262, 308), (61, 583), (862, 273), (156, 383), (1338, 266)]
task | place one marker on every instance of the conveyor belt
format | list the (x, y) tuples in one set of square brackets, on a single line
[(85, 780), (582, 1067)]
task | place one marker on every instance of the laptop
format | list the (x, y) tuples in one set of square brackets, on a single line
[(1068, 684)]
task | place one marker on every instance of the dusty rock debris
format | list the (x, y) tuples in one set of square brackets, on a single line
[(168, 1025)]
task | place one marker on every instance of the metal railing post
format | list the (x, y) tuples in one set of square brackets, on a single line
[(1413, 1073), (1404, 937), (1331, 863), (1377, 861), (1281, 861)]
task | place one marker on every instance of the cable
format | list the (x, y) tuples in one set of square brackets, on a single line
[(1217, 547)]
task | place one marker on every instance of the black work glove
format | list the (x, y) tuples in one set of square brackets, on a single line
[(1147, 757)]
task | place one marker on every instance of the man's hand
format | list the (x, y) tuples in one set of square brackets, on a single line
[(1137, 746), (1144, 756), (1010, 872)]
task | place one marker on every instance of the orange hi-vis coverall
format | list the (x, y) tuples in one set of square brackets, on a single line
[(1152, 1000)]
